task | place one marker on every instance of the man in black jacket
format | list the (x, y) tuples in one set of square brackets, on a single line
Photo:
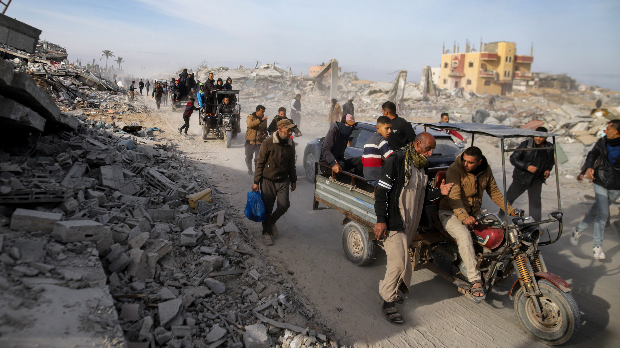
[(334, 145), (402, 131), (273, 126), (141, 86), (532, 168), (348, 108), (399, 200), (606, 180), (210, 90)]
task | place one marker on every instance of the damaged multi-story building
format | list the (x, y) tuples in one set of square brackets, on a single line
[(495, 68)]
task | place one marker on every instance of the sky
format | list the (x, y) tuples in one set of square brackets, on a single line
[(373, 38)]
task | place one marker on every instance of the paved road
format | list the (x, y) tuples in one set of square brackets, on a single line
[(435, 314)]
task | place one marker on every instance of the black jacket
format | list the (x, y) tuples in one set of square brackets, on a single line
[(605, 174), (387, 195), (273, 126), (210, 86), (348, 109), (402, 133), (157, 92), (190, 82), (523, 159), (226, 109), (334, 145)]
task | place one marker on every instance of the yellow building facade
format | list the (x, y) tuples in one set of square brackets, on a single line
[(492, 70)]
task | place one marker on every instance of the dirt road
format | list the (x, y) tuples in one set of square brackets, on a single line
[(436, 315)]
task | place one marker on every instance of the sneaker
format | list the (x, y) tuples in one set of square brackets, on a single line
[(598, 253), (267, 239), (274, 230), (180, 130), (574, 239)]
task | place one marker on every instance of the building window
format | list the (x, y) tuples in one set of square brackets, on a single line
[(508, 74), (510, 59), (445, 81), (487, 82), (456, 84), (445, 65), (506, 59), (468, 82), (471, 64)]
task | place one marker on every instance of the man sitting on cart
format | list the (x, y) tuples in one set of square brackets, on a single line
[(471, 175)]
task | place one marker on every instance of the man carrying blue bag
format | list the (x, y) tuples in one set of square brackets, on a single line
[(275, 172)]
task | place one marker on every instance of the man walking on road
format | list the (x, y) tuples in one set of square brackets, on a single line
[(399, 200), (141, 86), (148, 85), (132, 90), (158, 92), (296, 110), (254, 136), (606, 179), (532, 168), (275, 172), (402, 131), (273, 126), (335, 113)]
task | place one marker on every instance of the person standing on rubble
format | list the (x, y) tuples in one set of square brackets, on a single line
[(189, 109), (132, 90), (335, 113), (348, 109), (606, 179), (402, 131), (254, 136), (296, 110), (157, 94), (275, 172), (147, 85), (141, 85)]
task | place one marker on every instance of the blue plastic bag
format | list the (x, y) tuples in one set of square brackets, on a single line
[(255, 208)]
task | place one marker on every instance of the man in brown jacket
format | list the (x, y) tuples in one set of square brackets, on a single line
[(254, 136), (471, 175), (275, 171)]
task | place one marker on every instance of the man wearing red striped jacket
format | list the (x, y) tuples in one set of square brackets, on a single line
[(377, 150)]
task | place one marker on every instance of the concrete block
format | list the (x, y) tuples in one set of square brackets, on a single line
[(137, 242), (159, 246), (139, 266), (163, 214), (215, 261), (181, 331), (166, 294), (220, 217), (69, 205), (99, 196), (168, 310), (162, 335), (129, 311), (120, 264), (189, 237), (185, 221), (80, 230), (34, 220), (216, 333), (112, 177), (216, 286), (145, 331), (256, 336), (18, 114)]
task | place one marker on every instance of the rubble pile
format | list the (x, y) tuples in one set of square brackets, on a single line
[(180, 270)]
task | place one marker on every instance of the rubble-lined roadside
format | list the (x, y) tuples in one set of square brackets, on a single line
[(89, 210)]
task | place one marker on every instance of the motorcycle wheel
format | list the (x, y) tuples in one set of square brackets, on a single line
[(357, 247), (228, 138), (205, 130), (309, 167), (561, 318)]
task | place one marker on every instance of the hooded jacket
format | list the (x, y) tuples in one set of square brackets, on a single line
[(257, 129), (209, 87), (334, 145), (605, 174), (228, 86), (465, 198), (523, 159)]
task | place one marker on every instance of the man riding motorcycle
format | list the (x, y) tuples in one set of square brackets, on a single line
[(471, 175), (226, 107)]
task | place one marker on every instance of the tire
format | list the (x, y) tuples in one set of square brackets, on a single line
[(309, 167), (358, 249), (228, 138), (205, 130), (564, 319)]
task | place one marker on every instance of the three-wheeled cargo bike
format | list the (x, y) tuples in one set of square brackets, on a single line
[(542, 300), (222, 121)]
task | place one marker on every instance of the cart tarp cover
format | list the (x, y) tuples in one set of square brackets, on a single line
[(496, 131)]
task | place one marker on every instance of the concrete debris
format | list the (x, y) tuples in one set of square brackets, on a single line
[(33, 220)]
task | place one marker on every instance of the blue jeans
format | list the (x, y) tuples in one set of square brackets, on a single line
[(599, 213)]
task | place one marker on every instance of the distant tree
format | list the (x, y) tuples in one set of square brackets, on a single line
[(119, 60), (107, 54)]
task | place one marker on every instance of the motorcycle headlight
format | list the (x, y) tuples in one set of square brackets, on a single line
[(531, 234)]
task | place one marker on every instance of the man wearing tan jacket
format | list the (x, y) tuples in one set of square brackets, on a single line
[(471, 175), (254, 136)]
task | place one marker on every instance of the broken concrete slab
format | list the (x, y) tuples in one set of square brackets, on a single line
[(20, 115), (215, 261), (216, 333), (112, 177), (80, 230), (216, 286), (138, 241), (185, 221), (34, 220), (256, 336), (74, 177), (30, 250), (168, 310)]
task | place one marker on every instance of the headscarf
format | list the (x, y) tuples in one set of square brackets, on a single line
[(413, 157)]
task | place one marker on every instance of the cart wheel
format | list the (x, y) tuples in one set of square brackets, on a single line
[(309, 167), (228, 138), (358, 249)]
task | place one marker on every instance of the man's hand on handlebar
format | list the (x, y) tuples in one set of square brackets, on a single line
[(470, 221), (380, 229)]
